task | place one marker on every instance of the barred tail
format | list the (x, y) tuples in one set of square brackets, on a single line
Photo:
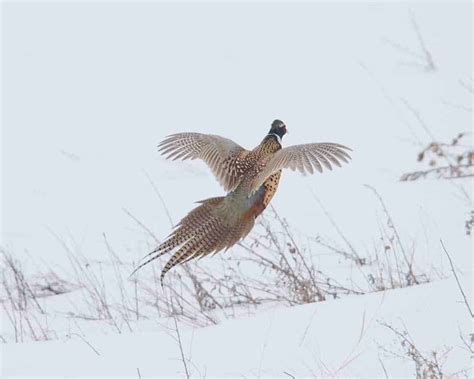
[(204, 230)]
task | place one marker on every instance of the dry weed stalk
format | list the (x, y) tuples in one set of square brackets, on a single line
[(453, 160), (286, 270), (27, 317), (388, 265), (272, 266), (180, 344), (421, 57), (457, 280), (448, 161), (427, 364)]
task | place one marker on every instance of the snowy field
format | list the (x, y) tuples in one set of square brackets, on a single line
[(346, 275)]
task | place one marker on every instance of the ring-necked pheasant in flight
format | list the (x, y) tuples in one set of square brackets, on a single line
[(251, 179)]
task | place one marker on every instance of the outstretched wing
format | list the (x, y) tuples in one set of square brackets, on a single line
[(223, 156), (305, 158)]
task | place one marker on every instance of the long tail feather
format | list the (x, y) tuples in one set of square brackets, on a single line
[(203, 231)]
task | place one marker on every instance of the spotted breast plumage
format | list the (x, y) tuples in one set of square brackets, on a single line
[(250, 177)]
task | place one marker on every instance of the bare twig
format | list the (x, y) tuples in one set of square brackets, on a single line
[(144, 227), (395, 230), (357, 259), (421, 58), (427, 365), (183, 359), (383, 368), (86, 342), (163, 203), (457, 279), (429, 63), (442, 172)]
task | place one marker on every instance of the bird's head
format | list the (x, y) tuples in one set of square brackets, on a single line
[(278, 128)]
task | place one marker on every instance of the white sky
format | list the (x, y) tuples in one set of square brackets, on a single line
[(90, 89)]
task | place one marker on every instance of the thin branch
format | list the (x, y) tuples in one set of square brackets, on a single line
[(384, 369), (457, 279), (442, 172), (392, 224), (181, 347), (86, 342), (430, 66), (143, 226), (160, 197)]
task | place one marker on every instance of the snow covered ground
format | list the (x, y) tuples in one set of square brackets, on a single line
[(332, 339), (88, 90)]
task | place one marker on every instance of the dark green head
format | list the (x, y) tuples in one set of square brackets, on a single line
[(278, 128)]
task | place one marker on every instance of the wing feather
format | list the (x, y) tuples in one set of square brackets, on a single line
[(322, 158), (305, 158), (219, 153), (314, 160), (307, 163)]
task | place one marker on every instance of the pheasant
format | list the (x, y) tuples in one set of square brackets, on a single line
[(250, 178)]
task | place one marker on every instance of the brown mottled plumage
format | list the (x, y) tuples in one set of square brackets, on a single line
[(252, 177)]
